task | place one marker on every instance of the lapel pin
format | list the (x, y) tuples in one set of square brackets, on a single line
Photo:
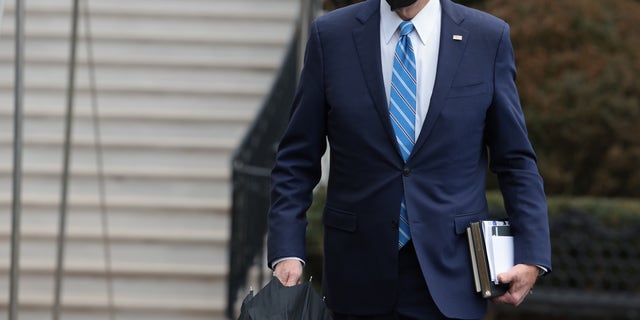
[(457, 37)]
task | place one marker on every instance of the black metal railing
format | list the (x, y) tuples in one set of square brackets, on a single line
[(251, 165), (596, 271)]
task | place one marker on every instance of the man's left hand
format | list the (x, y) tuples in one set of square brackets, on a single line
[(521, 278)]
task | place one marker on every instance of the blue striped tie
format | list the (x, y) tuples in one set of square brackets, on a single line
[(402, 109)]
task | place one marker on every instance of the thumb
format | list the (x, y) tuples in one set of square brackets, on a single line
[(505, 277), (291, 280)]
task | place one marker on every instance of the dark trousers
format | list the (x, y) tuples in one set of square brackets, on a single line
[(414, 300)]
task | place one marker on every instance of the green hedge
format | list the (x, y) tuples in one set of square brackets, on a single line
[(612, 212), (578, 65)]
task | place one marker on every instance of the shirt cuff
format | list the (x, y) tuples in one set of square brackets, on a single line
[(274, 263), (541, 270)]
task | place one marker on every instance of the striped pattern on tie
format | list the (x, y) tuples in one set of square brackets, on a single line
[(402, 109)]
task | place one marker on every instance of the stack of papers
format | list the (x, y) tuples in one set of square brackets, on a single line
[(491, 249)]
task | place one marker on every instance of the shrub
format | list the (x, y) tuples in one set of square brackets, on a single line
[(578, 63)]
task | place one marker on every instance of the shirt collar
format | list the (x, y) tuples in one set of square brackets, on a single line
[(389, 20)]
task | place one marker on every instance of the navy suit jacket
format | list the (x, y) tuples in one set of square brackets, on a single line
[(474, 115)]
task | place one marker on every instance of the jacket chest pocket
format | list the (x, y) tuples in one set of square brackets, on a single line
[(468, 90)]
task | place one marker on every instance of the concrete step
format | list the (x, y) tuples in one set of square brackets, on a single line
[(272, 35), (36, 85), (121, 220), (166, 153), (200, 216), (169, 25), (133, 247), (143, 102), (145, 283), (38, 307), (124, 51), (165, 79), (237, 114), (94, 269), (149, 53), (222, 58), (91, 279), (129, 202), (87, 308), (238, 9), (145, 182), (214, 125)]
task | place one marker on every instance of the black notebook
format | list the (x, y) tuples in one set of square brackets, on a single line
[(491, 248)]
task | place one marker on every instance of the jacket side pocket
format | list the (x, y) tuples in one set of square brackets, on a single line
[(340, 219)]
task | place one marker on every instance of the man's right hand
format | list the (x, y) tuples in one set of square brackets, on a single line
[(288, 272)]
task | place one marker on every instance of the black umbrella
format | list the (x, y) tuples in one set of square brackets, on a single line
[(275, 302)]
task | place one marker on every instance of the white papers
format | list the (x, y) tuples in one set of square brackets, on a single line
[(499, 247)]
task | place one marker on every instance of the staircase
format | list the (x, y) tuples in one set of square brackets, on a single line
[(178, 83)]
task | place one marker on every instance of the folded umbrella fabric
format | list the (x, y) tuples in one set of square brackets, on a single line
[(275, 302)]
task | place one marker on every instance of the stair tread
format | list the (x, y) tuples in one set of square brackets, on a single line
[(30, 232), (113, 114), (121, 302), (273, 10), (262, 38), (212, 204), (213, 74), (130, 172), (162, 88), (120, 269), (132, 142), (209, 63)]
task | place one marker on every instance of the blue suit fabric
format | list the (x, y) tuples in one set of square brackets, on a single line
[(474, 122)]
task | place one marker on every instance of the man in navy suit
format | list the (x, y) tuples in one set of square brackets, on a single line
[(467, 118)]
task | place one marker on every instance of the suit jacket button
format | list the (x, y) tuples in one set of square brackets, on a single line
[(394, 223), (406, 171)]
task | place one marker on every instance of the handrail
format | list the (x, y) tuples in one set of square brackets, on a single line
[(97, 135), (16, 208), (64, 185), (251, 165), (100, 167)]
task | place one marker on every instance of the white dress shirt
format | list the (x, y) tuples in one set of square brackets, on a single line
[(426, 43)]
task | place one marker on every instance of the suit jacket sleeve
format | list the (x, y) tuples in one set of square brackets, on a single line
[(513, 160), (297, 169)]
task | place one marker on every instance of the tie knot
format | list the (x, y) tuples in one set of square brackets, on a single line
[(405, 28)]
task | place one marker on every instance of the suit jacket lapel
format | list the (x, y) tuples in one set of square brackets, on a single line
[(367, 41), (449, 58)]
